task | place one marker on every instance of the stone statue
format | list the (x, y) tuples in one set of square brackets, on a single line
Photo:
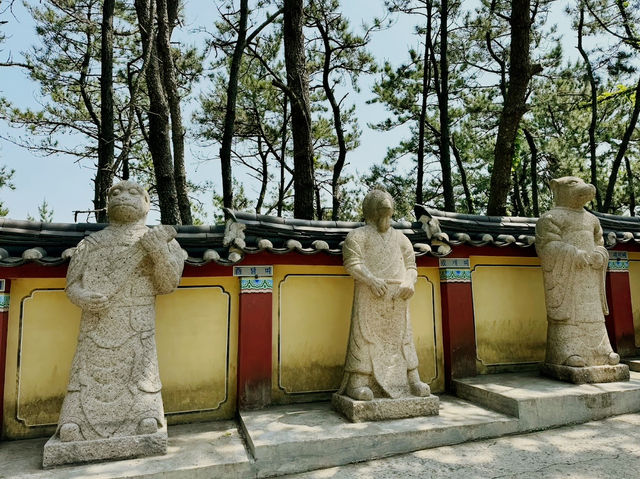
[(574, 264), (114, 385), (381, 358)]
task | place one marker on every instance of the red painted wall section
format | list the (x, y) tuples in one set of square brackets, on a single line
[(4, 323), (620, 319), (458, 329), (255, 344)]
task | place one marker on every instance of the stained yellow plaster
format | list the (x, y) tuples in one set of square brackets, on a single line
[(509, 310), (196, 333)]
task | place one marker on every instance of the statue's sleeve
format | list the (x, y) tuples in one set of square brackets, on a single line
[(167, 268), (352, 255), (602, 251), (74, 273), (557, 259), (408, 254)]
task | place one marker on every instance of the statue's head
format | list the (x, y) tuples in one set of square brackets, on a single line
[(572, 192), (378, 207), (127, 202)]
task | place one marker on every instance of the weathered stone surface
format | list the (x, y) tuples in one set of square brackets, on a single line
[(587, 374), (57, 452), (300, 437), (113, 395), (539, 402), (633, 363), (381, 357), (574, 264), (382, 408)]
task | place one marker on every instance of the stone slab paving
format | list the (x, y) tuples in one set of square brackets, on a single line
[(540, 403), (606, 449), (303, 437), (204, 450)]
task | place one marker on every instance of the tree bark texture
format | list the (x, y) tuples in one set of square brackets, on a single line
[(298, 86), (445, 150), (170, 83), (631, 186), (105, 173), (337, 123), (593, 100), (426, 79), (520, 73), (230, 112), (622, 151), (159, 138), (534, 172)]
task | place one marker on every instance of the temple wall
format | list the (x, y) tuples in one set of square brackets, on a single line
[(311, 311), (509, 311), (197, 351), (226, 343), (634, 286)]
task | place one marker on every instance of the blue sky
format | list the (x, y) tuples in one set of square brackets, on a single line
[(67, 186)]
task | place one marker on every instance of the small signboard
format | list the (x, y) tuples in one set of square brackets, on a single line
[(253, 271)]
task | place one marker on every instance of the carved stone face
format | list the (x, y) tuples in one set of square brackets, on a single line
[(127, 202), (378, 209), (572, 192)]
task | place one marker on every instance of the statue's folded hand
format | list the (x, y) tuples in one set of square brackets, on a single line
[(596, 260), (92, 301), (405, 291), (582, 259), (378, 286)]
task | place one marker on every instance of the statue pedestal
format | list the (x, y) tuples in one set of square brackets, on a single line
[(381, 409), (587, 374), (57, 452)]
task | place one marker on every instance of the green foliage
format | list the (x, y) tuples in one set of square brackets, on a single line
[(45, 213)]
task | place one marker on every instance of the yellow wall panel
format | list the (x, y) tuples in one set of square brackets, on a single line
[(634, 286), (197, 349), (312, 314), (509, 310)]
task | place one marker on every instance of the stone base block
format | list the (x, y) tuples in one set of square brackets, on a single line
[(591, 374), (384, 409), (57, 452)]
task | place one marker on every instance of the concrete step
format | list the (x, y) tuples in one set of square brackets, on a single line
[(540, 403), (633, 363), (303, 437), (205, 450)]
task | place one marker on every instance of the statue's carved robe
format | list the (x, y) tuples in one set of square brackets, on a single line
[(575, 297), (381, 341), (114, 381)]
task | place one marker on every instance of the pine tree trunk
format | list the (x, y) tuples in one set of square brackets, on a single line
[(520, 73), (593, 100), (298, 85), (622, 151), (230, 112), (159, 138), (337, 124), (445, 150), (170, 83), (631, 186), (534, 172), (426, 80), (105, 173)]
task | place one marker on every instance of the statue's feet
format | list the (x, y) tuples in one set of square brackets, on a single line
[(420, 389), (613, 359), (70, 432), (148, 426), (362, 393), (575, 361)]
